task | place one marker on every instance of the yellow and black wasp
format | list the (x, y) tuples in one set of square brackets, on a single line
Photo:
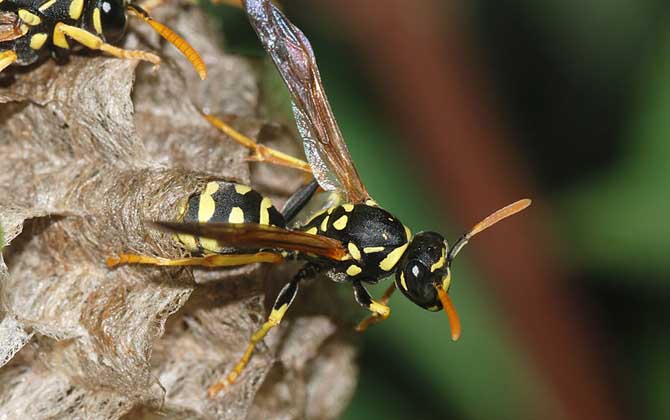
[(351, 239), (32, 29)]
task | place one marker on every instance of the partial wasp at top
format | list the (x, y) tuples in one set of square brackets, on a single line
[(32, 29), (350, 238)]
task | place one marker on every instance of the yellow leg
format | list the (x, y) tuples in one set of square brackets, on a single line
[(260, 153), (214, 260), (7, 58), (377, 316), (281, 305), (93, 42)]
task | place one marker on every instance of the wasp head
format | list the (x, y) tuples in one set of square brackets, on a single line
[(424, 266), (424, 276)]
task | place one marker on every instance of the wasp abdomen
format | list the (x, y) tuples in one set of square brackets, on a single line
[(226, 202)]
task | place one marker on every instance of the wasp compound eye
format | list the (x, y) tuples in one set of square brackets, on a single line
[(112, 19)]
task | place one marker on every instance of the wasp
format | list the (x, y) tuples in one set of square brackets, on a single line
[(350, 239), (33, 29)]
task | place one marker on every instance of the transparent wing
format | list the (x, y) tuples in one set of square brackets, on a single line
[(251, 235), (293, 56)]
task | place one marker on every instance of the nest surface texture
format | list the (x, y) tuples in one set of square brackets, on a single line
[(89, 151)]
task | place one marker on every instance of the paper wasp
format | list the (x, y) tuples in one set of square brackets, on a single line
[(350, 239), (31, 29)]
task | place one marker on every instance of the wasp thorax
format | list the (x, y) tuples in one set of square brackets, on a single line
[(109, 19), (423, 267)]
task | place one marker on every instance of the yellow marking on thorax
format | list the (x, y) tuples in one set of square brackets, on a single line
[(236, 215), (341, 223), (76, 7), (324, 223), (354, 270), (371, 249), (46, 5), (393, 257), (348, 207), (370, 202), (242, 189), (354, 251), (29, 18), (207, 205), (266, 203), (97, 22), (440, 263), (37, 41), (312, 231)]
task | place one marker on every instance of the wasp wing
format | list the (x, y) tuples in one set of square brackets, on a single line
[(251, 235), (293, 56), (10, 28)]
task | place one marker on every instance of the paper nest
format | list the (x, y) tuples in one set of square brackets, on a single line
[(89, 151)]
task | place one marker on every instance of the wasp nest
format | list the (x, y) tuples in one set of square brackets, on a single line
[(90, 150)]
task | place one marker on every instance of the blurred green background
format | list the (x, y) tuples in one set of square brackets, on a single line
[(585, 87)]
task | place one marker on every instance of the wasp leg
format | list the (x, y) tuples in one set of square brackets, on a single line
[(376, 318), (281, 305), (364, 299), (93, 42), (279, 308), (7, 58), (260, 153), (214, 260)]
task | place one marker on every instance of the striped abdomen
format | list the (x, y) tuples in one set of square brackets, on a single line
[(226, 202)]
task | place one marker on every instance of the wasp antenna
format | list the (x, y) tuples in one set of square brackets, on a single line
[(499, 215), (450, 309), (180, 43), (489, 221)]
